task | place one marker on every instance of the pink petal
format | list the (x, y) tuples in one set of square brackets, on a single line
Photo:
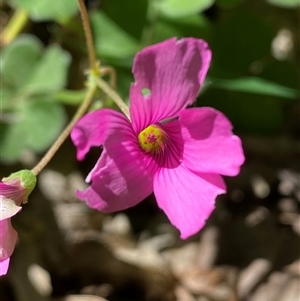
[(8, 208), (122, 177), (14, 192), (173, 72), (93, 129), (187, 198), (8, 239), (209, 144), (4, 265), (173, 148)]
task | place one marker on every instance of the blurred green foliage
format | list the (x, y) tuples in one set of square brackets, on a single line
[(31, 119), (178, 8), (45, 10), (248, 80), (285, 3)]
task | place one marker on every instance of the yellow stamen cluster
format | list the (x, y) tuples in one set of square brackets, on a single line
[(152, 139)]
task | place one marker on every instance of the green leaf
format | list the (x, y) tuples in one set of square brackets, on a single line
[(41, 10), (5, 99), (11, 139), (25, 67), (180, 8), (50, 73), (285, 3), (164, 30), (18, 58), (257, 86), (43, 120), (192, 26), (36, 124), (130, 15), (111, 41)]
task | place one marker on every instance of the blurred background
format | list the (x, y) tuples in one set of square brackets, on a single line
[(249, 249)]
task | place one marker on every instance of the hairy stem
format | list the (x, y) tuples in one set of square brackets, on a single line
[(105, 87), (89, 38), (94, 65), (94, 81)]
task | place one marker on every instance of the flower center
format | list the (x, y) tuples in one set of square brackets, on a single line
[(152, 139)]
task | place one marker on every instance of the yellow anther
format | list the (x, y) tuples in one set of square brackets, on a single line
[(152, 138)]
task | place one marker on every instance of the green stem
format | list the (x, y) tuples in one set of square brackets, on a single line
[(14, 26), (105, 87), (57, 144), (94, 64), (93, 82)]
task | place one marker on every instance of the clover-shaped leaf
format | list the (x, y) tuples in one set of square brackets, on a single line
[(35, 124), (31, 77), (35, 70), (50, 72), (15, 68)]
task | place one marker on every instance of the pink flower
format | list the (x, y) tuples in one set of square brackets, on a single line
[(14, 191), (178, 153)]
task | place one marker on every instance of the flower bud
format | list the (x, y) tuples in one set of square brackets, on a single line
[(14, 191)]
